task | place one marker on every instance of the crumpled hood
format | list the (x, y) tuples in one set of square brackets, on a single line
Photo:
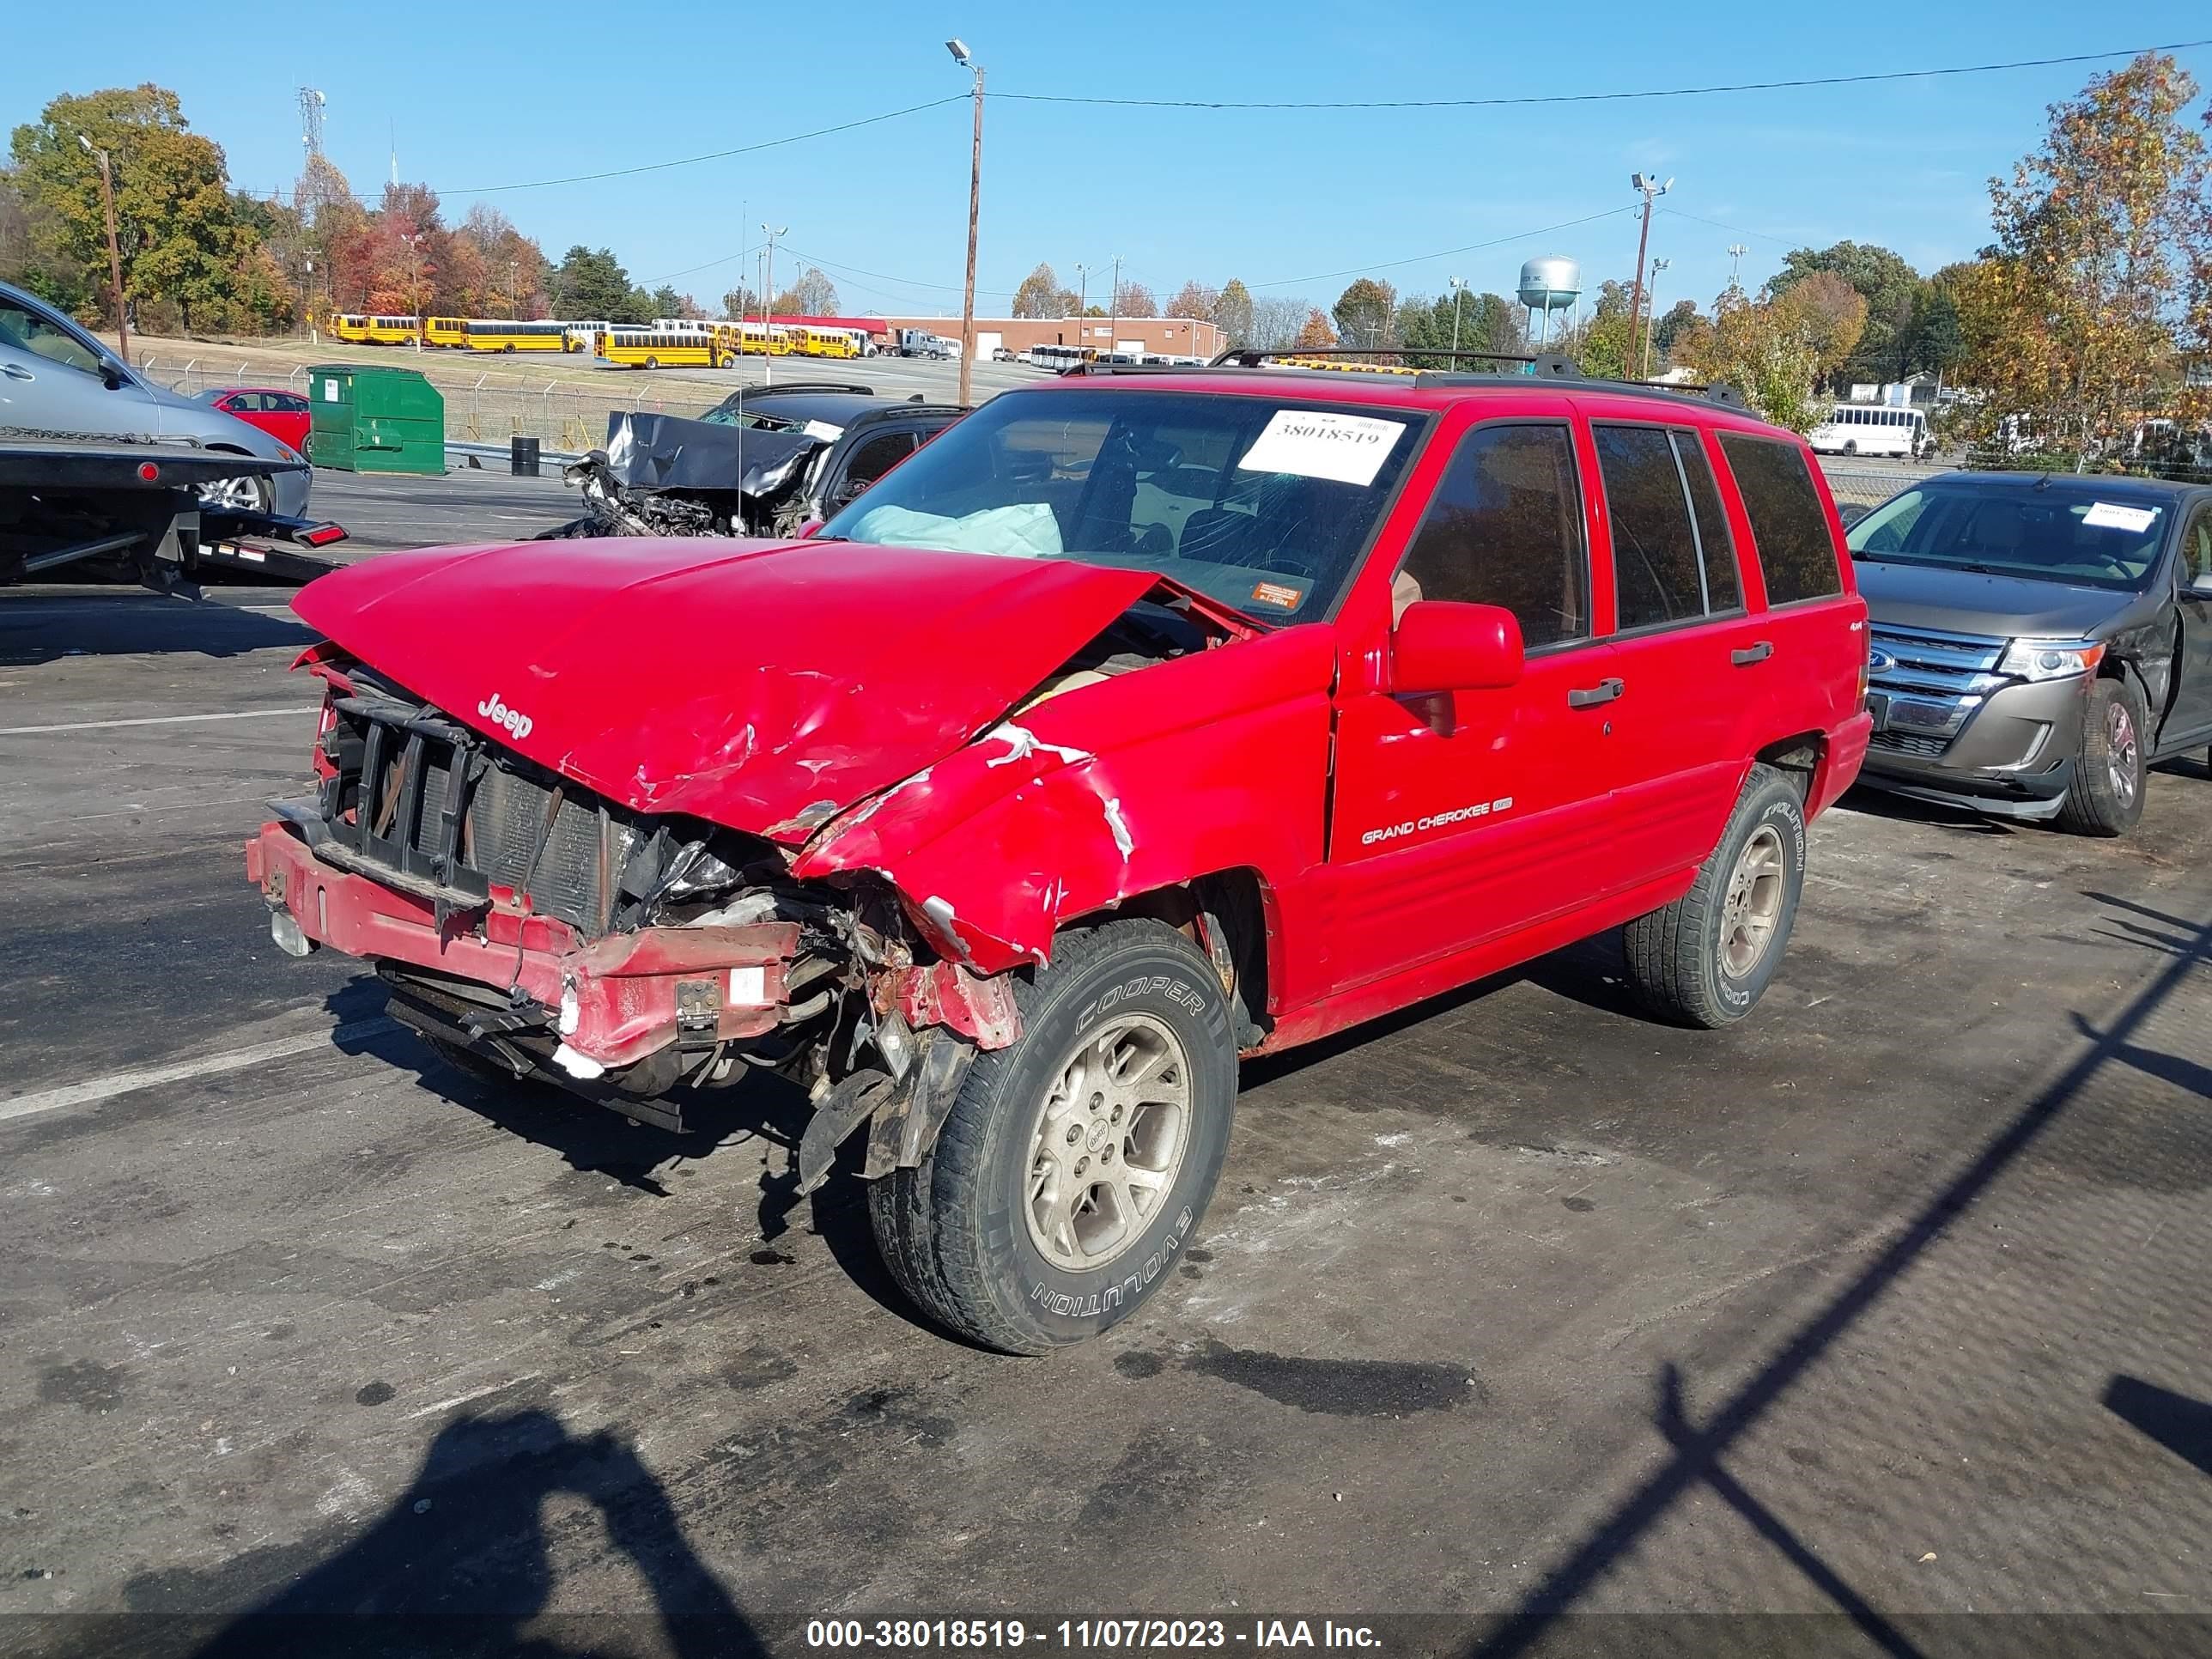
[(1967, 602), (762, 685)]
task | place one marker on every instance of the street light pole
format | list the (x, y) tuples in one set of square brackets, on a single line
[(960, 55), (1458, 289), (1082, 293), (114, 250), (767, 302), (1114, 326), (1652, 190), (1651, 315)]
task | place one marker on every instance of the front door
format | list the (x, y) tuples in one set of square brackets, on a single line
[(2189, 709), (1462, 817)]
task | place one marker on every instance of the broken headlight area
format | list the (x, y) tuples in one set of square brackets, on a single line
[(626, 956)]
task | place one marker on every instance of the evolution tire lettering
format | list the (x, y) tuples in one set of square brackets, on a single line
[(517, 723), (1129, 1284)]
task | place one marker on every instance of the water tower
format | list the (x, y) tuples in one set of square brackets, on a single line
[(1547, 286)]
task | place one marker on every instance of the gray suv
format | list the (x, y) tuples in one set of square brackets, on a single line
[(57, 380), (2037, 642)]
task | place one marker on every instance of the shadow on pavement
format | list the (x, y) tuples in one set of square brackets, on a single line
[(37, 627), (461, 1563), (1542, 1620), (2182, 1426)]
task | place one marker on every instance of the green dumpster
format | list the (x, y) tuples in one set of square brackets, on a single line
[(368, 418)]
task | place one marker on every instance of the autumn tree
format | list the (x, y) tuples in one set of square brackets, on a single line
[(512, 266), (2081, 317), (1276, 322), (1363, 312), (1828, 313), (1315, 333), (1769, 349), (1195, 300), (1041, 295), (1135, 299), (1232, 311)]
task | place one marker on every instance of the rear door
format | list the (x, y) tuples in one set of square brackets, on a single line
[(1463, 816), (1695, 664), (2190, 712)]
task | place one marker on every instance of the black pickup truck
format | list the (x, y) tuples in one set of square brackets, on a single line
[(2038, 641)]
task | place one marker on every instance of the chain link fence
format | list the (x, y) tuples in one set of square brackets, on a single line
[(484, 408)]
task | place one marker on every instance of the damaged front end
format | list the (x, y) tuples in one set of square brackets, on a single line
[(665, 475), (628, 957)]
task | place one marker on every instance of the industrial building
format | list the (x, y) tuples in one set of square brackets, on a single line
[(1171, 337)]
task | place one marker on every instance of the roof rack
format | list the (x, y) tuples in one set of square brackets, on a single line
[(779, 387), (1542, 365)]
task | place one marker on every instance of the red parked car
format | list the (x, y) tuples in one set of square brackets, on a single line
[(1141, 722), (282, 415)]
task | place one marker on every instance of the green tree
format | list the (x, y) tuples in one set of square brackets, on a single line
[(177, 223), (1365, 311), (1669, 326), (594, 284), (1232, 311), (1891, 288)]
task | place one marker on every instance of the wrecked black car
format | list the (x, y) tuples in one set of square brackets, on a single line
[(763, 462)]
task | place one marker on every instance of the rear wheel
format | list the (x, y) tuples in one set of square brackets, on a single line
[(1075, 1164), (1706, 958), (653, 362), (247, 495), (2106, 797)]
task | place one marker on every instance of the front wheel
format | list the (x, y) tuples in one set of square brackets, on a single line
[(241, 495), (1706, 958), (1074, 1165), (2106, 797)]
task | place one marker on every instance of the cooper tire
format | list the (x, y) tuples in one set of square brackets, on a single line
[(2111, 772), (1706, 958), (1127, 1066)]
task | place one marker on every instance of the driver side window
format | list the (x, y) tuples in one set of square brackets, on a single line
[(2197, 551), (26, 330), (1505, 528)]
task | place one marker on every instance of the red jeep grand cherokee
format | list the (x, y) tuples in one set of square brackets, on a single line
[(1140, 721)]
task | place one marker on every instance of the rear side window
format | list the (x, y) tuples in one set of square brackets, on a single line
[(1787, 523), (1505, 528), (1671, 558)]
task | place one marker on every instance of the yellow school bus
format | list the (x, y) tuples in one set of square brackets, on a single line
[(443, 331), (355, 329), (650, 348), (758, 340), (481, 334), (823, 343)]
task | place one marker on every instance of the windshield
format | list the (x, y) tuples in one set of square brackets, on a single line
[(2063, 534), (1266, 506)]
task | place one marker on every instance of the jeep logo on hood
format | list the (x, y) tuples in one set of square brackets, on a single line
[(517, 723)]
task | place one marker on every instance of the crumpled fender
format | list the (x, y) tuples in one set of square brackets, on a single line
[(1207, 762)]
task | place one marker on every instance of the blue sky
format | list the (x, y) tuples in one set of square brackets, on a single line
[(1296, 201)]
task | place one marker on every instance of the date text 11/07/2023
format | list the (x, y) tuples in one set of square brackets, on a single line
[(1087, 1634)]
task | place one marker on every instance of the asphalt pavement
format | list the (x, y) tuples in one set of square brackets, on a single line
[(1883, 1309)]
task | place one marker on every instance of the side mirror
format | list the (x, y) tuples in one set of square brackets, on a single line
[(811, 529), (1442, 645), (2200, 583)]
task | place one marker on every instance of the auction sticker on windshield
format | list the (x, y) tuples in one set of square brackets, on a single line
[(1314, 443), (2107, 516)]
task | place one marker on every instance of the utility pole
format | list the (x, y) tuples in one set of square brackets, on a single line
[(1459, 289), (513, 309), (114, 250), (1652, 189), (1082, 293), (1736, 251), (1113, 329), (767, 301), (960, 55), (1650, 316)]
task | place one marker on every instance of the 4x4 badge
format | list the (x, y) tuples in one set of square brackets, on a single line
[(517, 723)]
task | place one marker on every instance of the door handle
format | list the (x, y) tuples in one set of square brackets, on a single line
[(1751, 654), (1603, 691), (14, 374)]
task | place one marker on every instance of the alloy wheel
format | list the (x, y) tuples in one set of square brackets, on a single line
[(1753, 902), (1109, 1142)]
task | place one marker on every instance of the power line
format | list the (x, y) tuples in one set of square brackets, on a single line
[(1594, 97), (1739, 230), (1446, 253), (712, 156)]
